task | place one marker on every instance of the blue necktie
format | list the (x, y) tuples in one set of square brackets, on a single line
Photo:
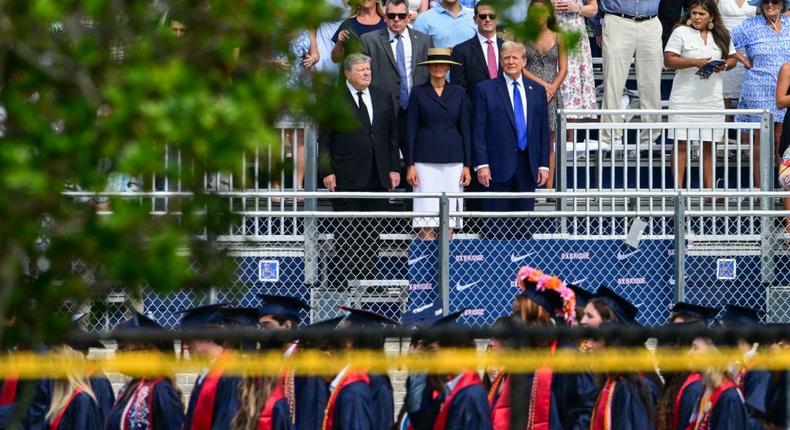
[(404, 79), (521, 121)]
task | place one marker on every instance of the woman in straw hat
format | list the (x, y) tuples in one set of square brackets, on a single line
[(438, 141)]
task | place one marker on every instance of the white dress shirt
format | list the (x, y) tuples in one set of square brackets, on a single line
[(484, 45), (406, 52), (335, 382), (365, 98)]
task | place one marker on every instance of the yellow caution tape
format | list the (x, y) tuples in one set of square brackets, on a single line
[(31, 366)]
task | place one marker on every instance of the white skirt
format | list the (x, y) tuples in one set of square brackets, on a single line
[(438, 178)]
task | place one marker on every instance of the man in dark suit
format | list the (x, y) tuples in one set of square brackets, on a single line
[(479, 55), (511, 155), (363, 157), (395, 52)]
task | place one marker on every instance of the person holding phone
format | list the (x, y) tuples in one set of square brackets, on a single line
[(699, 48)]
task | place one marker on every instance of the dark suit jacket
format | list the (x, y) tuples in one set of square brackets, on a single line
[(494, 138), (383, 67), (349, 154), (437, 130), (474, 69)]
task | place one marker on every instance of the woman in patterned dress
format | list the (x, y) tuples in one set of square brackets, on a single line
[(547, 64), (765, 42), (733, 13), (578, 89)]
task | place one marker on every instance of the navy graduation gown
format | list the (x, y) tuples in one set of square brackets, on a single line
[(580, 411), (353, 408), (281, 418), (628, 410), (311, 394), (729, 413), (105, 397), (776, 408), (37, 411), (166, 412), (7, 411), (383, 402), (470, 410), (424, 417), (81, 414), (689, 401), (226, 403), (755, 394)]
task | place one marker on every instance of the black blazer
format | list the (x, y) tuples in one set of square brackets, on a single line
[(349, 153), (474, 69), (437, 128)]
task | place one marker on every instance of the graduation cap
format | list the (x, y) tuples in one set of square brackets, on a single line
[(77, 326), (549, 300), (739, 315), (622, 308), (423, 316), (203, 316), (327, 324), (582, 296), (140, 321), (281, 306), (692, 311), (240, 317), (358, 317), (450, 319)]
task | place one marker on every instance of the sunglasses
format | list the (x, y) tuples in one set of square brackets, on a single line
[(400, 16), (485, 16)]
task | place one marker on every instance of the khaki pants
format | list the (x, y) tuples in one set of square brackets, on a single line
[(624, 39)]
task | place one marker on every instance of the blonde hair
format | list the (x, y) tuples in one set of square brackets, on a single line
[(253, 392), (511, 45), (355, 8), (63, 388)]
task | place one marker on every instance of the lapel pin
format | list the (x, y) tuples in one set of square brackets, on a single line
[(530, 87)]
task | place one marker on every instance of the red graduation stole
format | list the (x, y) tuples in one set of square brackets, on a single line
[(706, 409), (56, 422), (266, 417), (203, 417), (494, 390), (540, 400), (125, 424), (692, 378), (467, 379), (348, 379), (8, 393), (602, 412), (500, 410)]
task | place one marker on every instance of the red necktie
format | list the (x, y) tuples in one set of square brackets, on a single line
[(492, 65)]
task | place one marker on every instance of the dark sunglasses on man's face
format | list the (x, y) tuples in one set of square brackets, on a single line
[(400, 16), (485, 16)]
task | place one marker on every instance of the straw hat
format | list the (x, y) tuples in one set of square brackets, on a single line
[(439, 56)]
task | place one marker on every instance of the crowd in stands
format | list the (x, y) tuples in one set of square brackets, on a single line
[(726, 53), (742, 395)]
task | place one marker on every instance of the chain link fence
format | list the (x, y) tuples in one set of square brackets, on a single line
[(390, 261)]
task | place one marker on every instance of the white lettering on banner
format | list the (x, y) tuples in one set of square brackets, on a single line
[(631, 281), (421, 287), (575, 256), (474, 312), (469, 258)]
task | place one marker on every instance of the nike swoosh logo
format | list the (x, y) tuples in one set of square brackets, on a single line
[(579, 282), (414, 260), (517, 258), (624, 255), (460, 287), (421, 308)]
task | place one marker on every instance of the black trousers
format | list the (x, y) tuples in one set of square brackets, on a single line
[(669, 13), (356, 239)]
